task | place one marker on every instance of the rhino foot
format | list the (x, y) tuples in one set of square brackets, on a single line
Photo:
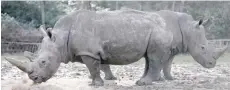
[(110, 78), (97, 82), (107, 77), (160, 79), (169, 77), (90, 77), (142, 82)]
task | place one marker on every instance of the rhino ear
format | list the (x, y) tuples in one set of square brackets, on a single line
[(199, 23), (207, 22), (49, 34), (45, 32), (49, 29), (42, 29)]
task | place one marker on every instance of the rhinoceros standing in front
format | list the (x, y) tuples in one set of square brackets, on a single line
[(119, 38), (116, 38)]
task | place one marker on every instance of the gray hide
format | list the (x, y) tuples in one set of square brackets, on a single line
[(187, 34), (116, 37), (104, 67), (182, 25), (189, 37)]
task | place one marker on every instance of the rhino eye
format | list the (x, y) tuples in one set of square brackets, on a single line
[(202, 47), (43, 62)]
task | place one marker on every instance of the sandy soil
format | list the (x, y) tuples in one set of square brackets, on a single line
[(74, 76)]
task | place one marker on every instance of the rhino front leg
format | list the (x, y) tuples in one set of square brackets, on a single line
[(108, 74), (152, 71), (167, 69), (94, 68)]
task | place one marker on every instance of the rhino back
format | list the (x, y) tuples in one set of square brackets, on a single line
[(123, 36)]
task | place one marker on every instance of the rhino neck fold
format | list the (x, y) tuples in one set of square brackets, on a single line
[(68, 56), (184, 48), (64, 46)]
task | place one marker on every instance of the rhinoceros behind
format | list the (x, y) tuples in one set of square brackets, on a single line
[(189, 37), (118, 38)]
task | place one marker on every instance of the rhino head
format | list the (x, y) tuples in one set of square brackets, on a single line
[(44, 64), (197, 44)]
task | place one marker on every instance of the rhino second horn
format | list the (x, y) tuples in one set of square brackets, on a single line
[(29, 55), (220, 52), (22, 66)]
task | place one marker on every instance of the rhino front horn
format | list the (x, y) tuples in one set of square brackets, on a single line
[(219, 52), (22, 66)]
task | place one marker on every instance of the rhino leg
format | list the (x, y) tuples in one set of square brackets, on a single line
[(94, 68), (108, 74), (167, 69), (152, 71), (146, 68)]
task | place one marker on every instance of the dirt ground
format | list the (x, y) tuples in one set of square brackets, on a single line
[(188, 75)]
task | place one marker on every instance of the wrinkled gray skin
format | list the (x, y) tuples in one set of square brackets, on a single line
[(118, 38), (104, 67), (188, 37)]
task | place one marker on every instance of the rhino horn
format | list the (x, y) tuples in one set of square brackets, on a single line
[(22, 66), (220, 52), (199, 23)]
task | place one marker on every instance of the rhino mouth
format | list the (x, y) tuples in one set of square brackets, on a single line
[(38, 79), (44, 79), (214, 58)]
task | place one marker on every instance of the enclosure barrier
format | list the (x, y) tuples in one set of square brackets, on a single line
[(218, 43), (20, 47)]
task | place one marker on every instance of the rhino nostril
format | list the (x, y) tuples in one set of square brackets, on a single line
[(214, 57), (35, 78), (30, 72), (210, 63)]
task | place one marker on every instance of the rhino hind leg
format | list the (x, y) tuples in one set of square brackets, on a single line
[(167, 69), (108, 73), (146, 68), (94, 69)]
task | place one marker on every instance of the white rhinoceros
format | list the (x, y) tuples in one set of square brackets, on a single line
[(188, 37), (117, 38)]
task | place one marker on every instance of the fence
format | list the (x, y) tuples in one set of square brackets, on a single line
[(220, 43), (19, 47)]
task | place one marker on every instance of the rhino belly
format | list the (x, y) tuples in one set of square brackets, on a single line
[(124, 59), (122, 54)]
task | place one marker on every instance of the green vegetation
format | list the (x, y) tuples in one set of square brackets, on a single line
[(29, 13)]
